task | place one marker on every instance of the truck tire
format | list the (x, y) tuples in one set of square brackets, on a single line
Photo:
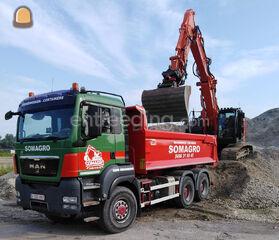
[(187, 193), (203, 187), (118, 212)]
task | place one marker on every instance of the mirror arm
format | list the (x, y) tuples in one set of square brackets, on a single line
[(17, 113)]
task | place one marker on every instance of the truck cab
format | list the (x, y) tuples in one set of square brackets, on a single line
[(63, 136)]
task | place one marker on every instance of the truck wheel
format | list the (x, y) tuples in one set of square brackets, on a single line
[(187, 193), (203, 186), (119, 211)]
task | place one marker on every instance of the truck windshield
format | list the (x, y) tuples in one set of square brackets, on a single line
[(45, 125)]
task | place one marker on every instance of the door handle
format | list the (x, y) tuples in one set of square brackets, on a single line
[(112, 155)]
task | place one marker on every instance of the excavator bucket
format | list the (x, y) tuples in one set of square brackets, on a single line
[(170, 104)]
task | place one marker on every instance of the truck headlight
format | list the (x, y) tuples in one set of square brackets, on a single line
[(17, 194), (68, 206), (70, 200), (18, 197)]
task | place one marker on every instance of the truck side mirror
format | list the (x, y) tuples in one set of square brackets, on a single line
[(10, 114), (91, 122)]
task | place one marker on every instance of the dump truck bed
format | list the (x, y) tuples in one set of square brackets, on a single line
[(151, 150)]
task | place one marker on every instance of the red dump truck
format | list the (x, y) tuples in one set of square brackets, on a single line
[(82, 154)]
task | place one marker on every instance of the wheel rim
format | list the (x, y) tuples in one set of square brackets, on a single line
[(121, 211), (203, 188), (187, 193)]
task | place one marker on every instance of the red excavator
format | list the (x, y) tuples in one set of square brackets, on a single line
[(172, 96)]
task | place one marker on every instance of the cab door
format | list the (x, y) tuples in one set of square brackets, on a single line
[(97, 132), (117, 128)]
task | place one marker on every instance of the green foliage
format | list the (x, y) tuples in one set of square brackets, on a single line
[(8, 142), (4, 153), (4, 170)]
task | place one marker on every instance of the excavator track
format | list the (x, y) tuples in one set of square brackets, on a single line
[(167, 104), (236, 152)]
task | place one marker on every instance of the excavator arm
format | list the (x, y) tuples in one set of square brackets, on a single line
[(176, 73), (207, 83), (190, 39)]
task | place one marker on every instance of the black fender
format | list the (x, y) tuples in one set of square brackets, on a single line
[(116, 175), (197, 173), (130, 182)]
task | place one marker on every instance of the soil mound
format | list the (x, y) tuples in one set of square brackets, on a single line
[(252, 183), (263, 130)]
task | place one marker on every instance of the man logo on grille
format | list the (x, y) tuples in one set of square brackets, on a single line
[(93, 159), (37, 167)]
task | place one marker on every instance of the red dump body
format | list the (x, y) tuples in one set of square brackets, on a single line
[(151, 150)]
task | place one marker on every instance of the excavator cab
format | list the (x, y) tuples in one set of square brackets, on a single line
[(230, 125), (231, 135)]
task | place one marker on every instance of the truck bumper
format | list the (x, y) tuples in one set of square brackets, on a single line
[(50, 197)]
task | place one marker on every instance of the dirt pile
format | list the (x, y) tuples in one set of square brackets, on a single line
[(252, 183), (172, 127), (7, 187), (263, 130)]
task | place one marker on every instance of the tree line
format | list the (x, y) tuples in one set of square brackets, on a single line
[(8, 142)]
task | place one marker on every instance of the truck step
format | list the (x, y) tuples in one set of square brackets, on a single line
[(90, 219), (158, 200), (165, 185), (91, 187), (90, 203)]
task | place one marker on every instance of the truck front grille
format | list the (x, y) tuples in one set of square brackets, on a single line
[(39, 206), (39, 165)]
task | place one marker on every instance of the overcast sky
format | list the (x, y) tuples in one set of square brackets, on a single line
[(122, 46)]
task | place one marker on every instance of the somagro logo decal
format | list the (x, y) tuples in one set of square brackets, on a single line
[(93, 159), (37, 148)]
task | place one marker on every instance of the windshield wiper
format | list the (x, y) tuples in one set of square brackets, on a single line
[(29, 139), (40, 138), (51, 138)]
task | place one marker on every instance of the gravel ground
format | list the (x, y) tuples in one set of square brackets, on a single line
[(157, 223), (7, 186), (252, 183)]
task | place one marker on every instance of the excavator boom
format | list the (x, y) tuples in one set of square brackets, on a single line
[(173, 100)]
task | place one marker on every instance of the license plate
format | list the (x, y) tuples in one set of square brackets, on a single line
[(40, 197)]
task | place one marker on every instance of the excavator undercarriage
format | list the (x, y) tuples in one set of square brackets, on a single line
[(236, 151)]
